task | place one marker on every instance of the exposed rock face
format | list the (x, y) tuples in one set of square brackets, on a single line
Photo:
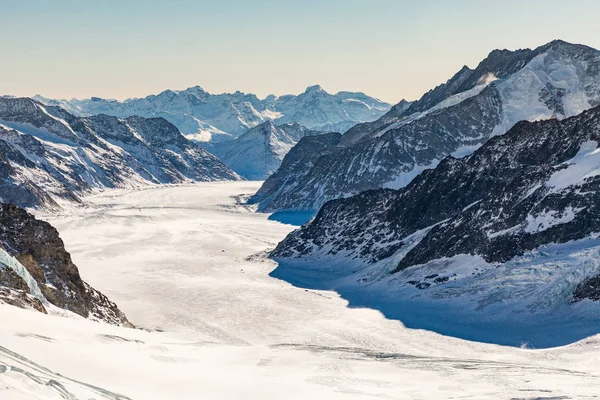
[(208, 117), (538, 184), (38, 247), (47, 153), (295, 166), (258, 153), (19, 298), (588, 289), (556, 80)]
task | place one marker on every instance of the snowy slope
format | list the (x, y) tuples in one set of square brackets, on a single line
[(51, 358), (50, 155), (208, 117), (258, 153), (558, 79)]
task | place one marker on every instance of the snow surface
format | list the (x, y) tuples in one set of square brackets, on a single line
[(188, 260), (544, 71), (585, 164)]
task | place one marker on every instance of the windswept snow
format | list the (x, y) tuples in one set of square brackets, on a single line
[(584, 165), (548, 219), (188, 260)]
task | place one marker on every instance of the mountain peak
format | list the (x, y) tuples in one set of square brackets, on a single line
[(266, 128), (314, 89), (559, 42), (566, 47), (268, 124), (196, 89)]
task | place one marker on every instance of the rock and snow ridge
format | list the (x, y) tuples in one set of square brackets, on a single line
[(512, 228), (258, 153), (37, 272), (215, 117), (555, 80), (47, 155)]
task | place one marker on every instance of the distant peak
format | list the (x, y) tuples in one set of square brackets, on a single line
[(559, 44), (264, 126), (196, 88), (265, 129), (269, 123), (314, 89), (167, 92)]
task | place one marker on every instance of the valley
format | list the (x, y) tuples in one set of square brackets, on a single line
[(187, 265)]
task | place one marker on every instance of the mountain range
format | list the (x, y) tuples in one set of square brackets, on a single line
[(504, 234), (558, 80), (216, 117), (48, 155)]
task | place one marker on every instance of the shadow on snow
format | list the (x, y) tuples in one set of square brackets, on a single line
[(564, 326), (296, 218)]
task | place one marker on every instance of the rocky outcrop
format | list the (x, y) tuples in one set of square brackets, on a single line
[(37, 246), (588, 289)]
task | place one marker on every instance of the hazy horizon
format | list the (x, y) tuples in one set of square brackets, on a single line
[(394, 50)]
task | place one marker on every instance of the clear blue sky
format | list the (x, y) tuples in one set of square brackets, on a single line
[(391, 49)]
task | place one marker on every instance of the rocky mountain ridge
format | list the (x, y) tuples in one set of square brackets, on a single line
[(555, 80), (512, 226), (48, 155)]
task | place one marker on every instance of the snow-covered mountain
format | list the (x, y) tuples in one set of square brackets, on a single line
[(47, 154), (511, 229), (258, 153), (208, 117), (36, 272), (555, 80)]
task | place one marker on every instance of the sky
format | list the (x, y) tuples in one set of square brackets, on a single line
[(390, 49)]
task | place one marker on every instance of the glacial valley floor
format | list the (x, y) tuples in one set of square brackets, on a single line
[(186, 264)]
